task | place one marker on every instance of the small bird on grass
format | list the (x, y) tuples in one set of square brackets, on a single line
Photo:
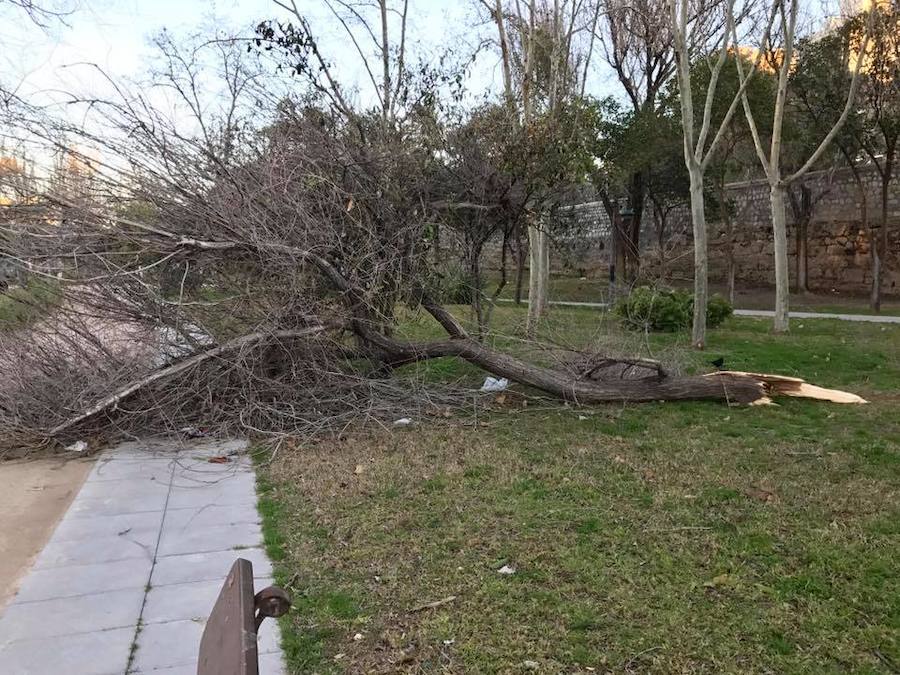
[(719, 363)]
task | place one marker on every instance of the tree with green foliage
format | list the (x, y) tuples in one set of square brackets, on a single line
[(869, 137), (646, 142), (771, 160), (880, 99)]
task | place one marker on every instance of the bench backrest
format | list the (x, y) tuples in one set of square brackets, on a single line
[(228, 645)]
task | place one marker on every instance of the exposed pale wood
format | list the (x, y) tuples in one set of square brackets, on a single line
[(807, 390), (783, 385)]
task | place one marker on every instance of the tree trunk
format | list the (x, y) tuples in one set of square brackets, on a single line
[(538, 277), (618, 271), (882, 239), (802, 256), (633, 234), (875, 292), (438, 258), (477, 298), (661, 218), (875, 297), (729, 240), (520, 264), (701, 271), (802, 209), (563, 385), (782, 275)]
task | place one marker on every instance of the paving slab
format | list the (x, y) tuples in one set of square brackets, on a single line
[(216, 538), (180, 602), (133, 524), (93, 507), (163, 645), (141, 545), (233, 489), (146, 488), (211, 516), (74, 580), (147, 542), (97, 653), (176, 643), (109, 468), (69, 616), (179, 569)]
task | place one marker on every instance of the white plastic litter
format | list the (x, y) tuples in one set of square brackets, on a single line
[(77, 446), (402, 422), (507, 569), (494, 384)]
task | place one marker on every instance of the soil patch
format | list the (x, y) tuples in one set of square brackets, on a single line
[(34, 496)]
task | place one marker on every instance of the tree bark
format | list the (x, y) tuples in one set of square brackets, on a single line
[(730, 271), (802, 209), (563, 385), (520, 263), (882, 239), (619, 259), (802, 256), (538, 276), (701, 257), (633, 234), (782, 275)]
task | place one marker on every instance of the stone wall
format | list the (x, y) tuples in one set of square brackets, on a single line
[(838, 249)]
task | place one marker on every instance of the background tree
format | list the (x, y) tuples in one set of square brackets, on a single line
[(771, 160), (637, 42), (822, 75), (646, 143), (697, 156), (734, 155), (875, 44), (545, 49)]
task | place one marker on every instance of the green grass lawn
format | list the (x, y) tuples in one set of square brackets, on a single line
[(669, 537)]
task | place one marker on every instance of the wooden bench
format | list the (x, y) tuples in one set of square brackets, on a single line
[(228, 645)]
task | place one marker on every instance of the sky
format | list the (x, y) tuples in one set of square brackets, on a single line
[(114, 35)]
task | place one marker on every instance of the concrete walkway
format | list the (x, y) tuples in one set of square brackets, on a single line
[(871, 318), (132, 571)]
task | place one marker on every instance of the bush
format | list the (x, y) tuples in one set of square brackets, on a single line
[(453, 285), (656, 309), (717, 310)]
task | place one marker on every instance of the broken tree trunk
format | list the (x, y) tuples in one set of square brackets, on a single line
[(741, 388)]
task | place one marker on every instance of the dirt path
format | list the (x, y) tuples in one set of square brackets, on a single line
[(34, 495)]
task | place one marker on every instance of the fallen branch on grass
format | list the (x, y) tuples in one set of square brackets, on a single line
[(231, 346), (434, 605), (728, 386)]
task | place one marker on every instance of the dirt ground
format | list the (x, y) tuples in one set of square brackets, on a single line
[(34, 495)]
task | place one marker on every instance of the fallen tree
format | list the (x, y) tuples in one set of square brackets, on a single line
[(248, 273)]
